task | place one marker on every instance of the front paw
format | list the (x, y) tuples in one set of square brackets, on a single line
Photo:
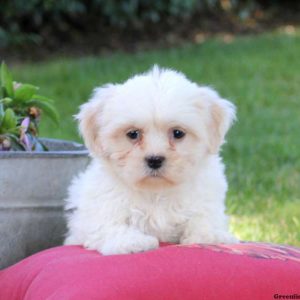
[(214, 237), (129, 243)]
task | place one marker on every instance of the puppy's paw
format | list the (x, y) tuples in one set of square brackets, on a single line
[(214, 237), (129, 243)]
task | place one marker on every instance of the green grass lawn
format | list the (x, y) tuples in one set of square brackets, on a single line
[(260, 74)]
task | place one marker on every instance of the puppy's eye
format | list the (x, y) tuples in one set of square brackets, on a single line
[(178, 134), (133, 134)]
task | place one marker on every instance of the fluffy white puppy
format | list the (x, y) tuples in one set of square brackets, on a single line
[(155, 173)]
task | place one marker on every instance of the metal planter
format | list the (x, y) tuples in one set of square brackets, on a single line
[(32, 188)]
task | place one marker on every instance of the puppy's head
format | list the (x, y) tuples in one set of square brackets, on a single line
[(155, 129)]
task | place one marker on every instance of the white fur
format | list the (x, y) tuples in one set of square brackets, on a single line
[(118, 205)]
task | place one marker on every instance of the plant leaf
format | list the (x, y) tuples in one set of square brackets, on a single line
[(1, 113), (9, 119), (16, 145), (42, 98), (47, 108), (45, 148), (6, 81), (6, 100), (38, 146), (25, 92)]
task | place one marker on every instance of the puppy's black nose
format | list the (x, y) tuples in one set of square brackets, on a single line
[(155, 162)]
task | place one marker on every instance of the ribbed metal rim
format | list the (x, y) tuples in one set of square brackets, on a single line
[(79, 150)]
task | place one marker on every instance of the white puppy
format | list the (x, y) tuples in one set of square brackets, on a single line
[(155, 174)]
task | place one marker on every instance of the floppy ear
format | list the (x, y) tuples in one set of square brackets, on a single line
[(221, 116), (89, 117)]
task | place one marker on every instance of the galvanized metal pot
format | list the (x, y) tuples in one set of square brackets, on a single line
[(32, 188)]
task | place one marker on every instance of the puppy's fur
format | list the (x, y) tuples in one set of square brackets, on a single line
[(121, 205)]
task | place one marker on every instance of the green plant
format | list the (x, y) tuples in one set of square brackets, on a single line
[(20, 110), (42, 22)]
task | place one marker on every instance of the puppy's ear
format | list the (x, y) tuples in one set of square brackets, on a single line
[(89, 117), (222, 113)]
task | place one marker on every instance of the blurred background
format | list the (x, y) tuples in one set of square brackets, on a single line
[(248, 50)]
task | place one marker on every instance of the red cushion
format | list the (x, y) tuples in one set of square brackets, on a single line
[(244, 271)]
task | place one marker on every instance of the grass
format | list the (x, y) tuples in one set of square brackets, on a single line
[(260, 74)]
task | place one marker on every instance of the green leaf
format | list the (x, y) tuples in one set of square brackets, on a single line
[(6, 100), (1, 113), (25, 92), (47, 108), (42, 98), (38, 145), (16, 145), (6, 81), (9, 119), (1, 110), (15, 130)]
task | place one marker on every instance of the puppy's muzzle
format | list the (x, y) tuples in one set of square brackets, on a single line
[(155, 162)]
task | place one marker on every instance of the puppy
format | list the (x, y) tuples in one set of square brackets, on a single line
[(155, 173)]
